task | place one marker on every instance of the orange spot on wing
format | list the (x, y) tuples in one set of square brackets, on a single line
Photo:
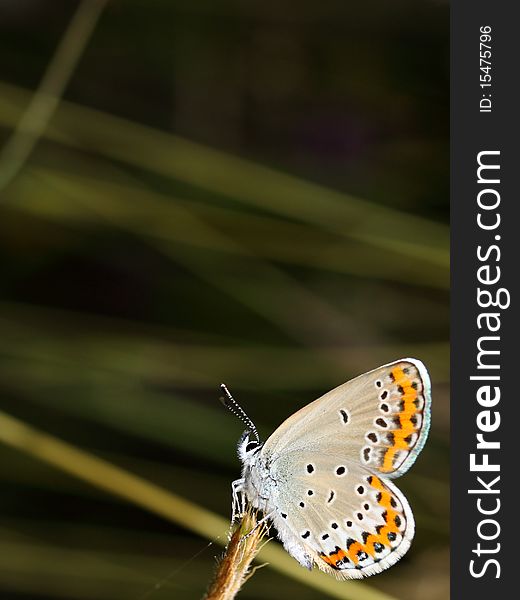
[(408, 397), (332, 559), (386, 502), (353, 551)]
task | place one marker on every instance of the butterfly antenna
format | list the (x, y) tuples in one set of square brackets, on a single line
[(231, 404)]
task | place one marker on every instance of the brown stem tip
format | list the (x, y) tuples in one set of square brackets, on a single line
[(233, 568)]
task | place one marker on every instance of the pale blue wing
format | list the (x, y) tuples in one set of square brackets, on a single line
[(348, 521), (380, 419)]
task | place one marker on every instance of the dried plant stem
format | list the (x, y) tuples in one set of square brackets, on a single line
[(234, 567)]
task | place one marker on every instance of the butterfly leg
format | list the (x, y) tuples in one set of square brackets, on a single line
[(238, 502)]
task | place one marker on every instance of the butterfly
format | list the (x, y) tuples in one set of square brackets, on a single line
[(324, 477)]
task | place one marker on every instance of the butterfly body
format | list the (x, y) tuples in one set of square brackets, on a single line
[(324, 476)]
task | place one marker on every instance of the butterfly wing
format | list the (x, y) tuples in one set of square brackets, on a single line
[(380, 418), (339, 516)]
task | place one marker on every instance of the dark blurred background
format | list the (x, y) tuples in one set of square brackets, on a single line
[(248, 192)]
